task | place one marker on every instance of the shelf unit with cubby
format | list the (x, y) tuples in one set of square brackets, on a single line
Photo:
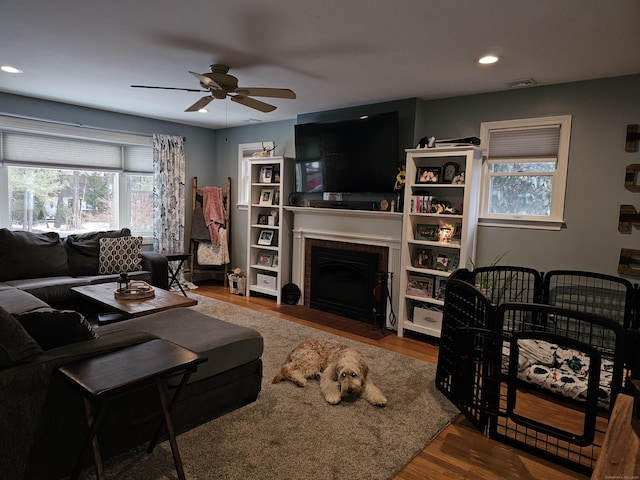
[(269, 226), (440, 220)]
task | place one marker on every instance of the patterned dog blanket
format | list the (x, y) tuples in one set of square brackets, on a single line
[(564, 371)]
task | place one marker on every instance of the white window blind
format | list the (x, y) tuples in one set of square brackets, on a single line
[(529, 142), (36, 143)]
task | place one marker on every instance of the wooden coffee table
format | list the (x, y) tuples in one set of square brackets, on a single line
[(103, 294)]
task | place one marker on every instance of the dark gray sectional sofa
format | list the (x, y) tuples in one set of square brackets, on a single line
[(42, 421)]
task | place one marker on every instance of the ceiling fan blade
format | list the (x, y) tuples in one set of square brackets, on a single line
[(266, 92), (253, 103), (170, 88), (204, 80), (200, 104)]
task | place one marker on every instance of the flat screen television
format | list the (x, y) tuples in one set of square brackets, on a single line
[(348, 156)]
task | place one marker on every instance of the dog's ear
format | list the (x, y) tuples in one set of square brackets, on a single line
[(331, 371), (364, 369)]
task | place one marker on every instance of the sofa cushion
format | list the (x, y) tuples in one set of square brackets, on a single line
[(121, 254), (31, 255), (84, 250), (57, 328), (16, 346), (15, 301)]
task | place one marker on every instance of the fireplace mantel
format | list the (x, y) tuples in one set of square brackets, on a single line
[(351, 226)]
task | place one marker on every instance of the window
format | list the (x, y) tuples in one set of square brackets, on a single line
[(525, 172), (245, 152), (74, 179)]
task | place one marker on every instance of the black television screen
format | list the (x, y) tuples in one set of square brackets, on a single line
[(351, 156)]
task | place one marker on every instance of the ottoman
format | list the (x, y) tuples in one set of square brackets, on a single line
[(232, 375)]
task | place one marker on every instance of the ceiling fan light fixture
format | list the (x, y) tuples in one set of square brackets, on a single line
[(10, 69), (488, 59), (203, 110)]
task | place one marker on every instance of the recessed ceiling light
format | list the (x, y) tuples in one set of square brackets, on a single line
[(488, 59), (10, 69)]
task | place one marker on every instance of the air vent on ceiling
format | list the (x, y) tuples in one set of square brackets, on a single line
[(528, 82)]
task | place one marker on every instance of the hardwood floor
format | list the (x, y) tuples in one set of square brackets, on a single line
[(460, 451)]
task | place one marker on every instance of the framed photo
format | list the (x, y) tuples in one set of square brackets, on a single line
[(266, 237), (442, 262), (449, 171), (454, 264), (423, 258), (266, 174), (428, 175), (275, 261), (427, 232), (266, 196), (265, 258), (420, 286), (263, 219), (457, 233)]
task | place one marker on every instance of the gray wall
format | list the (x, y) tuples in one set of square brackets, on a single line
[(601, 109)]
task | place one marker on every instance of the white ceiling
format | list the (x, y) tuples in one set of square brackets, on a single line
[(332, 53)]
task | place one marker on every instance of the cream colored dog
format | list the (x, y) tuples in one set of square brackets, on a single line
[(342, 370)]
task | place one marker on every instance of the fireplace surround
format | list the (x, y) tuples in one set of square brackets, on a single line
[(355, 230)]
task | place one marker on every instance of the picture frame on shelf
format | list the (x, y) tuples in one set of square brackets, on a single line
[(266, 196), (263, 219), (266, 174), (275, 261), (265, 258), (449, 171), (457, 233), (428, 175), (423, 258), (454, 264), (265, 237), (420, 286), (442, 262), (427, 232)]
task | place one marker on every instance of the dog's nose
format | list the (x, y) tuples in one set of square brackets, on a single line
[(350, 391)]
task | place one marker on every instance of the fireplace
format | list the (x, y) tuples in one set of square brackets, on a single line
[(354, 230), (343, 282)]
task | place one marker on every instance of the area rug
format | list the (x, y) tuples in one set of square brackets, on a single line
[(291, 433)]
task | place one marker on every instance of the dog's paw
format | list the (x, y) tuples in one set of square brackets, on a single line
[(333, 398), (381, 402)]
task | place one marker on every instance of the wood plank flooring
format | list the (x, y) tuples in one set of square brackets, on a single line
[(459, 451)]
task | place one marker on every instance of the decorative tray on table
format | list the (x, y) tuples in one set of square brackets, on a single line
[(135, 290)]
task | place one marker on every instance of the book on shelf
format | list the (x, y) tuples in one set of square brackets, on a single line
[(422, 203)]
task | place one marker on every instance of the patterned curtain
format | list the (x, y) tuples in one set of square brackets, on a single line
[(168, 195)]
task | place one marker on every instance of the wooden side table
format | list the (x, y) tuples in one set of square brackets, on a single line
[(173, 272), (102, 378)]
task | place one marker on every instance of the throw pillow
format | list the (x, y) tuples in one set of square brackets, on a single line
[(83, 250), (57, 328), (16, 346), (118, 255)]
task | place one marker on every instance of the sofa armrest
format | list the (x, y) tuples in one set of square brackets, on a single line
[(158, 267)]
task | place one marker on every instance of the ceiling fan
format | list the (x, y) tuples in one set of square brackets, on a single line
[(220, 84)]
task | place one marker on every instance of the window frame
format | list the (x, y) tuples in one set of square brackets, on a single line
[(128, 165), (553, 221), (246, 151)]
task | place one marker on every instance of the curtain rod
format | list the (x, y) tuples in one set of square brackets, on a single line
[(80, 125)]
